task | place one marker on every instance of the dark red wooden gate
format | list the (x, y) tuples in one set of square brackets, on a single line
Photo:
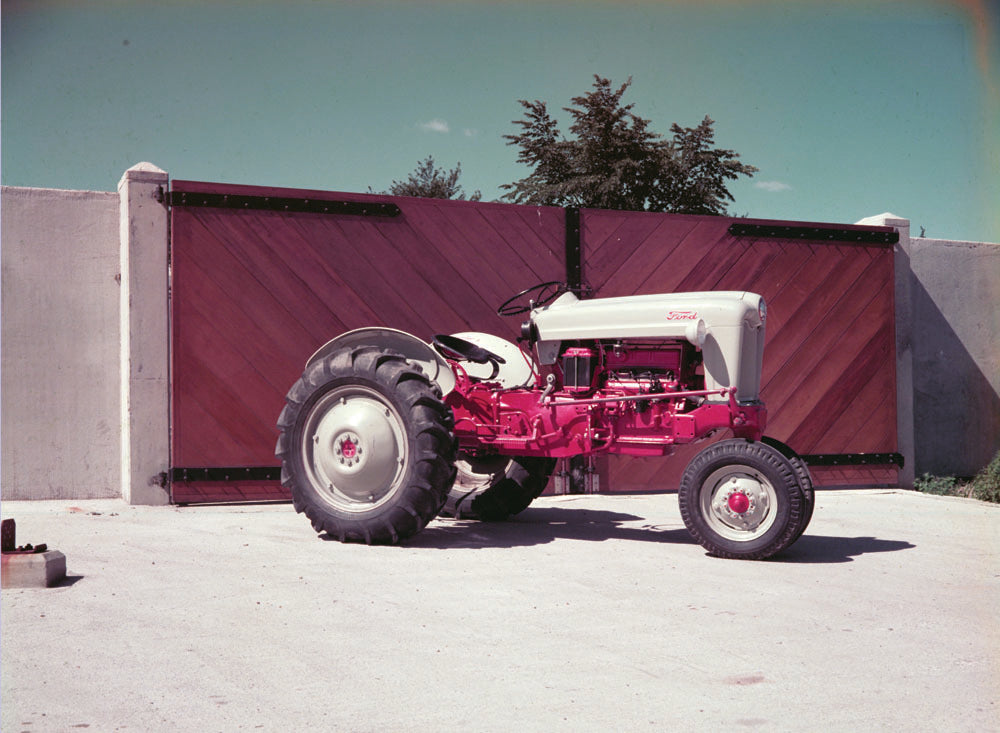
[(829, 378), (261, 277)]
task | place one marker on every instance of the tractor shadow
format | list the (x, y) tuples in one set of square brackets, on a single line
[(539, 526), (816, 549)]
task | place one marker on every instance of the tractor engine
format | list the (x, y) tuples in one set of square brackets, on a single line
[(633, 375)]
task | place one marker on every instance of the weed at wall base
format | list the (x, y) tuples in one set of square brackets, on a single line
[(985, 486), (939, 485)]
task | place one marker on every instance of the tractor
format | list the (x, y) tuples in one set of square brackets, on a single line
[(385, 431)]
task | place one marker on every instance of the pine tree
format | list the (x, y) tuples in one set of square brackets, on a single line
[(429, 181), (613, 160)]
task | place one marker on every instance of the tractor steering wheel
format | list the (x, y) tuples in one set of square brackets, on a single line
[(512, 306)]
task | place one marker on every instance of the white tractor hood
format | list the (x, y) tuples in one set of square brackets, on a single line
[(727, 325)]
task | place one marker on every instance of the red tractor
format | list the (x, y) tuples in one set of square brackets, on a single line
[(384, 431)]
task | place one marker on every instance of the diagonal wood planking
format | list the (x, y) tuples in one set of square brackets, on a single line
[(256, 292), (829, 364)]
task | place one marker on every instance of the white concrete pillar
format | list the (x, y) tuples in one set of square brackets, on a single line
[(904, 343), (145, 335)]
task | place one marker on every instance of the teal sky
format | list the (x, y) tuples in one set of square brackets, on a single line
[(848, 109)]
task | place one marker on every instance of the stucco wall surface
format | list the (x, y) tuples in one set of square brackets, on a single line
[(955, 337), (60, 344)]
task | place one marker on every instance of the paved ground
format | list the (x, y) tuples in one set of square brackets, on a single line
[(592, 613)]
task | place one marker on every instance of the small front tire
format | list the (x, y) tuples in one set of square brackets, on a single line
[(742, 500)]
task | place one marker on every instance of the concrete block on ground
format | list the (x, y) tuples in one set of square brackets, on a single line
[(33, 570)]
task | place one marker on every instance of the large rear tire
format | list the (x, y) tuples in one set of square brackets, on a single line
[(742, 500), (366, 446), (493, 488)]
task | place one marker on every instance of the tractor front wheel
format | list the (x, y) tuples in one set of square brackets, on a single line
[(742, 500), (366, 446), (801, 473)]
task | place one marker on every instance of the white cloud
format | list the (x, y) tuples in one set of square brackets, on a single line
[(435, 125), (469, 132), (772, 186)]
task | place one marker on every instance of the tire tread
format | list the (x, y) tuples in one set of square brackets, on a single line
[(430, 435), (756, 455)]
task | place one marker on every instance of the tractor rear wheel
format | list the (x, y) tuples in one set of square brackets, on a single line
[(493, 488), (742, 500), (366, 446)]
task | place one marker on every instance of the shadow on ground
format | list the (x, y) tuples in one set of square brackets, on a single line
[(819, 549), (541, 526), (69, 580)]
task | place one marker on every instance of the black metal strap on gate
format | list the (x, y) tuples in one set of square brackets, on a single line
[(822, 234), (228, 473), (574, 252), (280, 203), (854, 459)]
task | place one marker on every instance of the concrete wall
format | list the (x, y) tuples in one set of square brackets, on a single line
[(947, 353), (145, 327), (60, 344), (955, 340)]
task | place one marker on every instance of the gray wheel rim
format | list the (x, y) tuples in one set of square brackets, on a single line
[(354, 448), (738, 503)]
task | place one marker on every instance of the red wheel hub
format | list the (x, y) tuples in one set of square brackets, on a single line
[(350, 450), (739, 502)]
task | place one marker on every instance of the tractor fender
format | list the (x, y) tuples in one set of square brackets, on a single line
[(517, 369), (414, 349)]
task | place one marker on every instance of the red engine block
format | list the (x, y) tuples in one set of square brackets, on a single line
[(623, 416)]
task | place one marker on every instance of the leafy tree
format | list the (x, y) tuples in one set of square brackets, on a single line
[(432, 182), (613, 160)]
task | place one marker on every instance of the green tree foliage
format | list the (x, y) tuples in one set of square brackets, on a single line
[(986, 484), (432, 182), (613, 160)]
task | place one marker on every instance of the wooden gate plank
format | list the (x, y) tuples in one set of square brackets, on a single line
[(818, 374), (663, 269), (606, 257)]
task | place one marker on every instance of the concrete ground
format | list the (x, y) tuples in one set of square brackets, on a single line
[(587, 613)]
